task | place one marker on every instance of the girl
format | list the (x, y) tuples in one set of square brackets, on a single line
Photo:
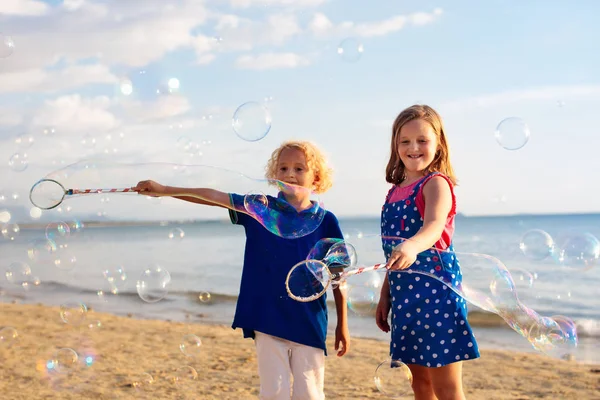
[(430, 332), (289, 336)]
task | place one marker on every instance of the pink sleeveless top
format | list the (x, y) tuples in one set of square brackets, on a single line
[(398, 193)]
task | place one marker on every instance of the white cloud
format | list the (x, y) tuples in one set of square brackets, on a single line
[(550, 93), (321, 25), (23, 7), (242, 34), (268, 3), (119, 32), (271, 61), (74, 113), (38, 80), (163, 107)]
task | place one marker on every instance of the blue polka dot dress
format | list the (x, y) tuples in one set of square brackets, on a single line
[(429, 320)]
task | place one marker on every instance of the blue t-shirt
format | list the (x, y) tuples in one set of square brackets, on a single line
[(263, 303)]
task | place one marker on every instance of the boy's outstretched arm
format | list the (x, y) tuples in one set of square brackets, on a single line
[(209, 197), (342, 334)]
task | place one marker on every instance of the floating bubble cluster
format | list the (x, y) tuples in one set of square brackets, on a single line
[(486, 283)]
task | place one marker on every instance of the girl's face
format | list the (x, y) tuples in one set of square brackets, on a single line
[(292, 168), (417, 146)]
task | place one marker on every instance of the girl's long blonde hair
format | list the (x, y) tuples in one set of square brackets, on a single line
[(315, 160), (394, 172)]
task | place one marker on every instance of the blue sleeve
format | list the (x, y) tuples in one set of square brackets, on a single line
[(333, 227), (236, 212)]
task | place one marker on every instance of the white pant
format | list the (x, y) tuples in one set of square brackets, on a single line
[(289, 370)]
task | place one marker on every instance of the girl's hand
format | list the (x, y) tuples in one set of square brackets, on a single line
[(383, 311), (403, 256), (149, 188)]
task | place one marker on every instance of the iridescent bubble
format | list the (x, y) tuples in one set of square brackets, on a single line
[(18, 162), (362, 297), (65, 260), (537, 244), (190, 345), (393, 379), (251, 121), (579, 251), (185, 376), (350, 50), (7, 46), (8, 337), (41, 250), (152, 286), (184, 143), (24, 140), (48, 131), (88, 141), (65, 361), (73, 313), (143, 381), (116, 278), (17, 273), (10, 231), (176, 234), (204, 297), (512, 133), (58, 232)]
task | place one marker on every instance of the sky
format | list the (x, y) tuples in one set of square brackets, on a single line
[(89, 79)]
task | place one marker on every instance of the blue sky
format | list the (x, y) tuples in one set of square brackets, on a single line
[(477, 63)]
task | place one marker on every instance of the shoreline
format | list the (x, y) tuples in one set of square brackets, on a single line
[(120, 352)]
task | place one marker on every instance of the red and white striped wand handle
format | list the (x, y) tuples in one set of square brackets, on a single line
[(359, 270), (89, 191)]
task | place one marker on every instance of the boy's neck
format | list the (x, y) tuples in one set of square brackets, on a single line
[(300, 203)]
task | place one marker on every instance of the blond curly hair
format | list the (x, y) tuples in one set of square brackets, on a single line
[(315, 160)]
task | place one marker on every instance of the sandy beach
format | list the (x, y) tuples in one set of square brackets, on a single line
[(133, 358)]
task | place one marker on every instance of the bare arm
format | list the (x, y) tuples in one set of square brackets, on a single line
[(438, 200), (342, 334), (205, 196)]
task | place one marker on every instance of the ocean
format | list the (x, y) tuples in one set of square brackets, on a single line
[(204, 260)]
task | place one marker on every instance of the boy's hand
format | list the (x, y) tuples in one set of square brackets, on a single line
[(342, 340), (149, 188)]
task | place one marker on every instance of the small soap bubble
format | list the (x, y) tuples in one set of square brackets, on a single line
[(7, 46), (116, 278), (64, 361), (8, 336), (48, 131), (73, 313), (142, 381), (204, 297), (537, 244), (579, 251), (190, 345), (512, 133), (88, 141), (24, 140), (185, 376), (350, 50), (18, 162), (393, 378), (58, 232), (176, 234), (251, 121), (152, 286), (18, 273)]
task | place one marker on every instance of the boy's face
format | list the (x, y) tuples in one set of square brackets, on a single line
[(292, 168)]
